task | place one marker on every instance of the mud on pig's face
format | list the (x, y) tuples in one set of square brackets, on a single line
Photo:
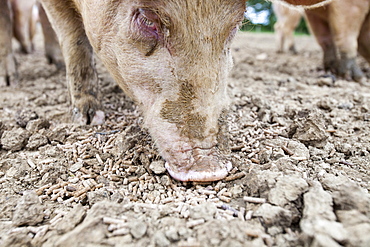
[(172, 57)]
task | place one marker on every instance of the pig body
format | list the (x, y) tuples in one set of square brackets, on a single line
[(287, 20), (172, 57), (342, 29)]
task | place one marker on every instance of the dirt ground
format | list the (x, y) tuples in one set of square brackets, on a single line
[(300, 146)]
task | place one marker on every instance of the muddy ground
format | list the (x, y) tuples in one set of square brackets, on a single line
[(300, 147)]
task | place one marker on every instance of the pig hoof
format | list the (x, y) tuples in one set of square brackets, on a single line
[(4, 81), (8, 81), (98, 118), (359, 77), (8, 71), (349, 69), (90, 117), (206, 170), (57, 61), (86, 111)]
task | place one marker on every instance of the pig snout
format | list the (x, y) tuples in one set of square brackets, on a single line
[(191, 140)]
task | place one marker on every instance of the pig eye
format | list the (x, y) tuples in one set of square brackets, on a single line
[(148, 23), (144, 21), (146, 30)]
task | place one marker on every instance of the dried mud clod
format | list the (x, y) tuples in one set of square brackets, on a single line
[(14, 140), (22, 117)]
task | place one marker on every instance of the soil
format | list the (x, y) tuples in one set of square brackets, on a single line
[(300, 142)]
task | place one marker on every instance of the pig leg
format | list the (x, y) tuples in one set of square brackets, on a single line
[(364, 38), (288, 32), (33, 24), (345, 35), (320, 28), (287, 20), (279, 37), (8, 70), (22, 15), (82, 78), (285, 38), (290, 43), (278, 27), (52, 48)]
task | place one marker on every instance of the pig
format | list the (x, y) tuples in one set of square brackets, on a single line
[(53, 53), (288, 19), (18, 19), (8, 69), (25, 17), (171, 56), (342, 29)]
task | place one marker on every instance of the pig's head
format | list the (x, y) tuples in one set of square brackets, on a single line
[(173, 58)]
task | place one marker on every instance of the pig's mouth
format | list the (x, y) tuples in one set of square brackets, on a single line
[(201, 165)]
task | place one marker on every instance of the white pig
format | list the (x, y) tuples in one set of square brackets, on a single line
[(288, 19), (171, 56)]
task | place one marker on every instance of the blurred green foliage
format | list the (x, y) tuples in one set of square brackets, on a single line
[(260, 6)]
